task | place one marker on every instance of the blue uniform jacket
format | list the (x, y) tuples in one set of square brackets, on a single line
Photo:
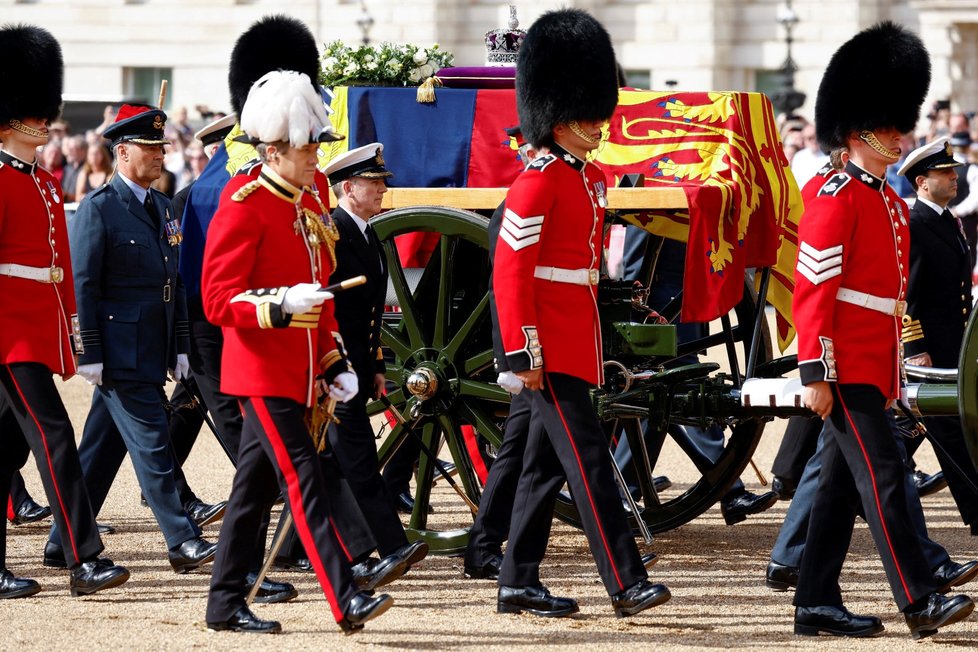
[(132, 310)]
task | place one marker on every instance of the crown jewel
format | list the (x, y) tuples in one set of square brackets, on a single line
[(502, 45)]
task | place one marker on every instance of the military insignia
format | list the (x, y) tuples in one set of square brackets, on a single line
[(903, 219), (834, 185), (541, 162), (172, 228), (947, 148), (158, 123), (379, 157), (53, 190), (599, 190)]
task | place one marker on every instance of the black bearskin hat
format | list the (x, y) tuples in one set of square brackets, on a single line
[(31, 73), (566, 71), (272, 43), (877, 79)]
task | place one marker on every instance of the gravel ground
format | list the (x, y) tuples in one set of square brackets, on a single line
[(715, 573)]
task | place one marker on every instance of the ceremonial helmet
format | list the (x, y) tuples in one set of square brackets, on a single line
[(31, 74), (559, 44), (283, 106), (877, 79)]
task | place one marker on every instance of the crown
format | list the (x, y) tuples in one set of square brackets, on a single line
[(502, 45)]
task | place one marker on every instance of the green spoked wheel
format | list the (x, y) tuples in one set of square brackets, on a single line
[(442, 373)]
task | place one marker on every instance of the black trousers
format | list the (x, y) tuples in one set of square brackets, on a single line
[(491, 525), (276, 454), (569, 443), (955, 460), (18, 491), (34, 419), (797, 447), (861, 462)]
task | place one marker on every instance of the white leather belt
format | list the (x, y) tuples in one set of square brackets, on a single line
[(572, 276), (879, 304), (42, 274)]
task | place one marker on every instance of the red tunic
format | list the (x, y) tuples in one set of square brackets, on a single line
[(256, 250), (813, 185), (855, 235), (36, 317), (554, 217)]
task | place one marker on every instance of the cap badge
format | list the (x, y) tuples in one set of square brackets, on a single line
[(157, 122), (379, 158), (947, 148)]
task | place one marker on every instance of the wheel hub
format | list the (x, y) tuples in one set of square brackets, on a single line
[(422, 383)]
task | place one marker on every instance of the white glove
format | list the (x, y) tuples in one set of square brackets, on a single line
[(92, 373), (344, 387), (510, 382), (183, 367), (303, 297)]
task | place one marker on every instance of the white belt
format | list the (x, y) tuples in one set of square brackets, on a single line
[(42, 274), (879, 304), (572, 276)]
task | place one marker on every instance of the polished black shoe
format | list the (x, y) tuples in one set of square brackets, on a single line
[(639, 597), (373, 572), (54, 556), (649, 560), (405, 503), (299, 564), (364, 607), (270, 591), (16, 587), (929, 484), (412, 553), (192, 554), (661, 483), (30, 512), (105, 528), (96, 575), (488, 570), (244, 620), (951, 573), (939, 611), (781, 577), (535, 600), (783, 487), (836, 621), (203, 514), (744, 504)]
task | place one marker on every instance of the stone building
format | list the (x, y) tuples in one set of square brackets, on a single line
[(121, 48)]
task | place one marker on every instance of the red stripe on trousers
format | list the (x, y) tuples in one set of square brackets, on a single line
[(11, 513), (339, 539), (472, 448), (295, 502), (47, 455), (876, 497), (587, 487)]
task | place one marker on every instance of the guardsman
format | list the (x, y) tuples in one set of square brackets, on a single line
[(269, 251), (939, 304), (38, 324), (133, 328), (850, 289), (545, 278)]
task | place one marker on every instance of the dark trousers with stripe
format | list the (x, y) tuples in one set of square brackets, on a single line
[(491, 525), (33, 417), (276, 454), (18, 494), (955, 460), (861, 462), (570, 443)]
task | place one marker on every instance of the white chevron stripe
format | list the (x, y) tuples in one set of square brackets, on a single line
[(817, 278), (818, 266), (518, 244), (519, 233), (521, 222), (821, 254)]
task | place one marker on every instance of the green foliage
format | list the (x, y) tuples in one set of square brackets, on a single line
[(387, 64)]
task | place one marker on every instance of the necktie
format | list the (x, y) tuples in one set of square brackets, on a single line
[(374, 244), (963, 240), (151, 209)]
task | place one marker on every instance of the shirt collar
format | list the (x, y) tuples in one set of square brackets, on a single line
[(278, 186), (359, 221), (21, 166), (567, 157), (137, 190), (862, 175), (926, 202)]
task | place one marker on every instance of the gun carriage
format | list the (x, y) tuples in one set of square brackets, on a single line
[(439, 334)]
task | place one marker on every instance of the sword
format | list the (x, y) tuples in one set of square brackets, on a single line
[(196, 404)]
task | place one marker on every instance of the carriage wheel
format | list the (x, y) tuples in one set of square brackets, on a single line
[(443, 374)]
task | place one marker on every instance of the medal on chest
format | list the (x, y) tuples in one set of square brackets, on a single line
[(601, 194), (172, 228), (53, 191)]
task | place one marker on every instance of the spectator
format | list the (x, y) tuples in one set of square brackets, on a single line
[(95, 172), (52, 160), (75, 151), (965, 205), (809, 158)]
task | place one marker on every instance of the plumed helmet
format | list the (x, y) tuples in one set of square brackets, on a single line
[(284, 106), (877, 79), (566, 71), (272, 43), (31, 73)]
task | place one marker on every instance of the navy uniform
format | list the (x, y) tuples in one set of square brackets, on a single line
[(850, 286), (37, 334), (133, 323), (938, 309)]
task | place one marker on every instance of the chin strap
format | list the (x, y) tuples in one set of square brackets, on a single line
[(24, 129), (870, 139), (580, 133)]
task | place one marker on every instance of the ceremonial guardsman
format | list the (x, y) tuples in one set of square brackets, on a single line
[(939, 304), (545, 278), (851, 281), (38, 327), (269, 251)]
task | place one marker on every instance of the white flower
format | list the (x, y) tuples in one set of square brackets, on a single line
[(427, 70), (395, 66), (368, 58), (350, 68), (371, 65), (421, 56), (414, 76), (330, 62)]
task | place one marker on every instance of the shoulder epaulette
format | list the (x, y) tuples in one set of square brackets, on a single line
[(834, 184), (105, 187), (242, 193), (248, 167), (541, 162)]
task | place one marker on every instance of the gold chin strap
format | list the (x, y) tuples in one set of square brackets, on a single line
[(870, 139), (24, 129), (580, 133)]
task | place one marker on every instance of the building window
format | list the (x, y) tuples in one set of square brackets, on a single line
[(768, 81), (143, 84), (638, 78)]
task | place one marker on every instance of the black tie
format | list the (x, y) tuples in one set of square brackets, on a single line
[(151, 209), (956, 221), (374, 243)]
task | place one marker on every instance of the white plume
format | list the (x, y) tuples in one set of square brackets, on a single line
[(284, 106)]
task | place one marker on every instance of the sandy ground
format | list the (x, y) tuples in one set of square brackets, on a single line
[(715, 573)]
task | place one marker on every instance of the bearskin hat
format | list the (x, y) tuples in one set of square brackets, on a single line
[(272, 43), (566, 71), (877, 79), (31, 73)]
